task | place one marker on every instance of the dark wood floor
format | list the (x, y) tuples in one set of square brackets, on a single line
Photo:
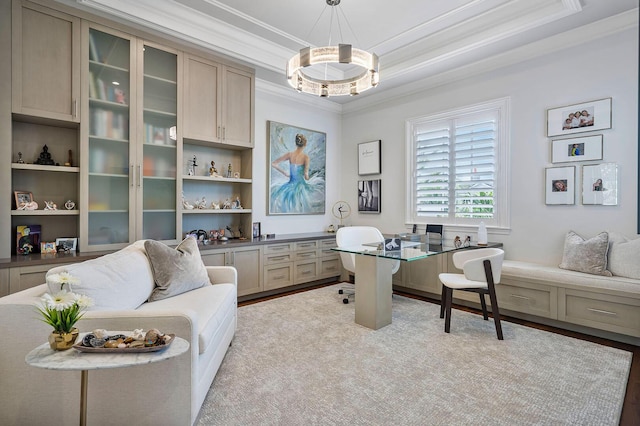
[(631, 408)]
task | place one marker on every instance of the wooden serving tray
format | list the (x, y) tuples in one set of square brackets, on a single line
[(90, 349)]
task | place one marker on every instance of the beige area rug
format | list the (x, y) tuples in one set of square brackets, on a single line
[(301, 360)]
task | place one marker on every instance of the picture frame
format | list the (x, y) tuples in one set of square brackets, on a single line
[(560, 185), (28, 239), (22, 197), (369, 196), (286, 194), (48, 247), (600, 184), (583, 148), (563, 121), (68, 244), (369, 159), (255, 230)]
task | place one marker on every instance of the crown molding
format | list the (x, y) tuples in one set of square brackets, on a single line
[(270, 90)]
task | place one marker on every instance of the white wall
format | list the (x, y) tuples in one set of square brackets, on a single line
[(294, 109), (599, 69)]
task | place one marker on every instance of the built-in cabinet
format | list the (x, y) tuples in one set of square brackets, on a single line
[(246, 260), (112, 107), (45, 63)]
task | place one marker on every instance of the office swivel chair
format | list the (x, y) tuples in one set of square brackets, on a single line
[(434, 229), (355, 236), (481, 271)]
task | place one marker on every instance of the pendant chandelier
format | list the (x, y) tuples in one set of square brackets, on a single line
[(300, 79)]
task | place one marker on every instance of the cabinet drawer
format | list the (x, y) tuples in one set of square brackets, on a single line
[(606, 312), (306, 245), (330, 267), (306, 255), (305, 271), (270, 259), (328, 244), (327, 253), (277, 276), (535, 301), (277, 248)]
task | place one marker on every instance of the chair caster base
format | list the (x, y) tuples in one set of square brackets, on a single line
[(340, 291), (345, 301)]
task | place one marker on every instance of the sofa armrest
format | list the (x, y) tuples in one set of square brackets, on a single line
[(223, 275)]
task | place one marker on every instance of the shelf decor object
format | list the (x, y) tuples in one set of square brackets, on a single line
[(309, 82), (298, 162), (584, 117)]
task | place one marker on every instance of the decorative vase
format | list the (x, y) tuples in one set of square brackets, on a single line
[(482, 234), (61, 341)]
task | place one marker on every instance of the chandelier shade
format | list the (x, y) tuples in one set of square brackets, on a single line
[(303, 81)]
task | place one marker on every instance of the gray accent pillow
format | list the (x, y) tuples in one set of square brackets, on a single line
[(175, 271), (588, 256), (624, 258)]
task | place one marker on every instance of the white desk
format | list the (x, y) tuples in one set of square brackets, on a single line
[(373, 276), (44, 357)]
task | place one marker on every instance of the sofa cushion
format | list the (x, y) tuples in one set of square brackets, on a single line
[(211, 305), (588, 256), (623, 256), (119, 280), (175, 271)]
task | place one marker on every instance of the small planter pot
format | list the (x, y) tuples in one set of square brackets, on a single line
[(63, 341)]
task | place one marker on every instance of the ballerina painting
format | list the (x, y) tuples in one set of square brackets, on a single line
[(297, 176)]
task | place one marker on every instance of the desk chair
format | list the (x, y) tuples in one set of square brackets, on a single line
[(481, 271), (354, 236), (434, 229)]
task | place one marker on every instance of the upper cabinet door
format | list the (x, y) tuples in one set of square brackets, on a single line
[(237, 107), (202, 100), (45, 63)]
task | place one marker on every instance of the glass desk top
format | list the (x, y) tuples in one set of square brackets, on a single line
[(399, 249)]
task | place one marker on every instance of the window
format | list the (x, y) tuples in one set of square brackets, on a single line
[(457, 165)]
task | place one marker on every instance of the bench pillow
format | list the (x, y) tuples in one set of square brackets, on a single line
[(176, 271), (589, 256), (623, 256)]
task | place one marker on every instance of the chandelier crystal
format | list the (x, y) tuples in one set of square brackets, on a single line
[(302, 81)]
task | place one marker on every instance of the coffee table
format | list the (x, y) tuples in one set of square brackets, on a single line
[(71, 359)]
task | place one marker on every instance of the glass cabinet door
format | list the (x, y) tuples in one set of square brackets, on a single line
[(159, 144), (109, 149)]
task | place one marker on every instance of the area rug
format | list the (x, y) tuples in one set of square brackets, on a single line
[(301, 360)]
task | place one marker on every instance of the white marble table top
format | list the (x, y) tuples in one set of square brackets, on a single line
[(71, 359)]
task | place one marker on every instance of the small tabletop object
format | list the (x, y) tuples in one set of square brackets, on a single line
[(44, 357)]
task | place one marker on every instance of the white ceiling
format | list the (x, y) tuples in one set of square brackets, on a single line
[(415, 39)]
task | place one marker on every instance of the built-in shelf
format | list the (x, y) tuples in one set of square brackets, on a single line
[(45, 212), (216, 211), (24, 166), (216, 179)]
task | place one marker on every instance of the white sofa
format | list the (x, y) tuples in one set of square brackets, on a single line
[(170, 392)]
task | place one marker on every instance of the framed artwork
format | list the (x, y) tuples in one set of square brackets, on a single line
[(48, 247), (297, 172), (22, 198), (576, 149), (584, 117), (369, 200), (369, 160), (28, 239), (560, 185), (67, 244), (600, 184)]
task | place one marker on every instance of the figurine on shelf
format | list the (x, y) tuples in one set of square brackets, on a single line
[(215, 206), (192, 166), (201, 204), (229, 172), (236, 204), (213, 172), (50, 205), (45, 158), (20, 160), (69, 205), (457, 242), (226, 204), (185, 204), (30, 205), (69, 163)]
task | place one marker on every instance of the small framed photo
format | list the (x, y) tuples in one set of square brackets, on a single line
[(584, 117), (49, 247), (560, 185), (369, 159), (22, 198), (600, 184), (66, 244), (369, 200), (576, 149), (256, 230)]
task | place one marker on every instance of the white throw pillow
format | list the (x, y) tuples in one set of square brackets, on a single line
[(119, 280), (624, 256), (589, 256)]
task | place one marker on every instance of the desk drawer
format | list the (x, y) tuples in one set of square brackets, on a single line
[(306, 245), (606, 312), (270, 259), (278, 248), (305, 271), (277, 276), (330, 267), (306, 255)]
